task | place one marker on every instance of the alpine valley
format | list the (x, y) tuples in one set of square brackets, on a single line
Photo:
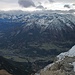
[(29, 41)]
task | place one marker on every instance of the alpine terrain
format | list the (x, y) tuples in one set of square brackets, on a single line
[(64, 65), (29, 41)]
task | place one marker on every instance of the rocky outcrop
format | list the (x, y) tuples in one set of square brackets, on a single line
[(59, 68), (64, 66), (4, 72)]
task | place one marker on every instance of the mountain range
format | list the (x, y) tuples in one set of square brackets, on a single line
[(35, 38), (37, 26)]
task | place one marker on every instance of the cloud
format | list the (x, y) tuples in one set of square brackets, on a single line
[(37, 4), (9, 1), (65, 1), (72, 10), (73, 4), (51, 1), (40, 6), (26, 3), (67, 6)]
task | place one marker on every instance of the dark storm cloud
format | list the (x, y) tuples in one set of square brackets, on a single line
[(26, 3), (67, 6)]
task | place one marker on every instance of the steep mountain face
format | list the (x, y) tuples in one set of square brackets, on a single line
[(65, 64)]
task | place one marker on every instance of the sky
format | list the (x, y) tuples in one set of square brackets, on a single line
[(31, 5)]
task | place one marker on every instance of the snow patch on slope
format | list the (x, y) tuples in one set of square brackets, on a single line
[(73, 65), (70, 53)]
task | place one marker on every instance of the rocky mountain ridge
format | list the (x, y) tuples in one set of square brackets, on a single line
[(65, 64)]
